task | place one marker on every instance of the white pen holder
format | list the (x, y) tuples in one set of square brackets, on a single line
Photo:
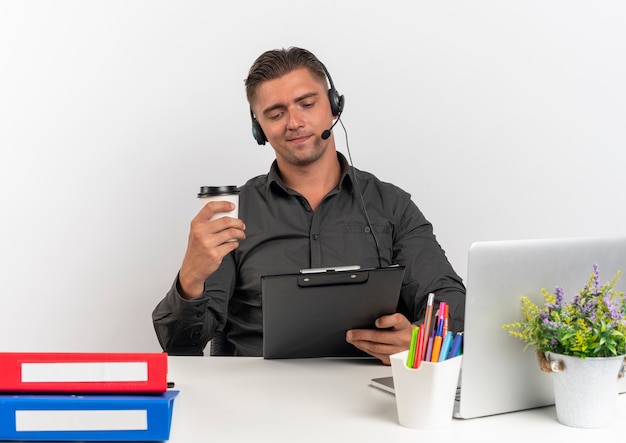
[(425, 396)]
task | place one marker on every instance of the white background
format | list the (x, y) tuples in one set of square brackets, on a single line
[(504, 120)]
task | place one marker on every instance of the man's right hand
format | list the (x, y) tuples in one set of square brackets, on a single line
[(209, 242)]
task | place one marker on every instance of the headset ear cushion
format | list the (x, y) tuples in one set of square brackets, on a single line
[(257, 132), (336, 101)]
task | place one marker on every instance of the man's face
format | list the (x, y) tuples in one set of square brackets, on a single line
[(293, 111)]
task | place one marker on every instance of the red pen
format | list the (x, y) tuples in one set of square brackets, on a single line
[(419, 350)]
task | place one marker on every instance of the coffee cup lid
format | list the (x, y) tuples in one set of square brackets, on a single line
[(208, 191)]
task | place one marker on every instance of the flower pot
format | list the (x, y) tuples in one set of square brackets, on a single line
[(585, 390)]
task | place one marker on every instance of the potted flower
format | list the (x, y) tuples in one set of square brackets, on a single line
[(582, 342)]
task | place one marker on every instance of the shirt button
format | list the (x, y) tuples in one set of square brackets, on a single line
[(315, 236), (367, 229)]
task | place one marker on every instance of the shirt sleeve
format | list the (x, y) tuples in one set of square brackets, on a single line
[(427, 269), (184, 327)]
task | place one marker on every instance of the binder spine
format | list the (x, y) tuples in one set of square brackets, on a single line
[(83, 372), (87, 417)]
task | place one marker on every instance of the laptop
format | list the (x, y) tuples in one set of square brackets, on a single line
[(307, 314), (497, 375)]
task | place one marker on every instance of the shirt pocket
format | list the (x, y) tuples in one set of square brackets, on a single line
[(360, 232)]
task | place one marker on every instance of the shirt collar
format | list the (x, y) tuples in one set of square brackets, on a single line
[(346, 179)]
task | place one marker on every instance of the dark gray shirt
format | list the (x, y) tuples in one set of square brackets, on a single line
[(283, 235)]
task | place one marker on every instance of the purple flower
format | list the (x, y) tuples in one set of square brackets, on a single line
[(596, 278), (589, 306), (551, 324), (614, 313), (558, 292)]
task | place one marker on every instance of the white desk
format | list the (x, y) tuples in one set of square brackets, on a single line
[(254, 400)]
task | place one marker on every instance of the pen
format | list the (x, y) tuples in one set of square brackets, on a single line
[(455, 349), (429, 346), (438, 337), (436, 349), (439, 328), (445, 319), (429, 312), (441, 311), (420, 346), (445, 346), (411, 358)]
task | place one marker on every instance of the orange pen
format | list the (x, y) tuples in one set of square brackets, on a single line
[(436, 348)]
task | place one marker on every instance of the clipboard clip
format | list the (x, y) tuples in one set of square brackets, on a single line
[(333, 277), (331, 269)]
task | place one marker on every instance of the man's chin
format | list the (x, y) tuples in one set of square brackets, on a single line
[(306, 158)]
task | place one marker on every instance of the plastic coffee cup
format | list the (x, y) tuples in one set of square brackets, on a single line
[(425, 396), (220, 193)]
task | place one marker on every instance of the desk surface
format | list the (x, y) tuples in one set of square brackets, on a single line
[(318, 400)]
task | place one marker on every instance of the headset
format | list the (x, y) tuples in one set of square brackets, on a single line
[(336, 106)]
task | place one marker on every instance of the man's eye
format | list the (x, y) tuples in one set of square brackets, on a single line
[(275, 116)]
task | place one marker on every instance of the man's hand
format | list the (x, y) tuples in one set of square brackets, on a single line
[(393, 335), (209, 242)]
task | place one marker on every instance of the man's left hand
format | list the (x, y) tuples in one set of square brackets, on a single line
[(392, 335)]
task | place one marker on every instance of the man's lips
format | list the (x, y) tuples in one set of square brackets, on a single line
[(299, 139)]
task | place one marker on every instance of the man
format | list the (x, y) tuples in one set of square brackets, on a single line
[(306, 212)]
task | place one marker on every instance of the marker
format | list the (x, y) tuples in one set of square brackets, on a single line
[(438, 337), (419, 354), (429, 313), (411, 358), (455, 349), (436, 349), (445, 346), (429, 346), (441, 311), (445, 319), (440, 328)]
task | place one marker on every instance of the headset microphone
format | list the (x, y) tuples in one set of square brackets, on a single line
[(326, 133)]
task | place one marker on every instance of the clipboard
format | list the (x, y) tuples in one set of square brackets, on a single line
[(307, 314)]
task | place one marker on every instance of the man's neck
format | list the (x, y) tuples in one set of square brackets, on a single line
[(316, 180)]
